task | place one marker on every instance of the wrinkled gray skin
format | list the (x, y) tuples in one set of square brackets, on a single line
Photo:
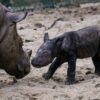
[(13, 59), (68, 47)]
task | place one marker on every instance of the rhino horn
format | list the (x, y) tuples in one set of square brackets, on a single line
[(16, 17)]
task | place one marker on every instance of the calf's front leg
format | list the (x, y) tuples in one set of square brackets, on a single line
[(55, 64)]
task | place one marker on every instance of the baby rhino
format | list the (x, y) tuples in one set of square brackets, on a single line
[(68, 47)]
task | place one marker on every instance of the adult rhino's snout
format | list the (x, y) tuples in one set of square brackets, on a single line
[(22, 71), (22, 67), (25, 71)]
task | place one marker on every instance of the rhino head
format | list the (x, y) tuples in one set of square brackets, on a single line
[(13, 59), (46, 52)]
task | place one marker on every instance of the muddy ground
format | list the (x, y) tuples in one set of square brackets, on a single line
[(33, 86)]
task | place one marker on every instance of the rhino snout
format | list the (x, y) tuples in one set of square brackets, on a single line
[(35, 63), (40, 62), (21, 72), (21, 68)]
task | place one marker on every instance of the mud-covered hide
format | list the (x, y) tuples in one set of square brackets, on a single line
[(13, 59)]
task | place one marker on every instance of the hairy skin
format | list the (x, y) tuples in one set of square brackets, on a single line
[(13, 59), (68, 47)]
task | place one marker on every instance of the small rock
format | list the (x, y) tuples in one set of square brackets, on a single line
[(54, 87), (94, 9), (21, 28), (82, 19), (14, 80), (31, 14), (88, 72), (89, 68), (39, 25), (97, 85), (28, 40), (80, 97), (35, 29)]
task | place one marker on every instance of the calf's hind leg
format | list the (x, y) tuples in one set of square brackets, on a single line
[(96, 62), (55, 64)]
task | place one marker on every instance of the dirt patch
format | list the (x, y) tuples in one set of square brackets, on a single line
[(33, 86)]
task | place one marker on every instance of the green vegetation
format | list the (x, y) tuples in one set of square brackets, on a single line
[(45, 3)]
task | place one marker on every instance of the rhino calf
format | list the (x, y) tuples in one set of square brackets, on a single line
[(68, 47)]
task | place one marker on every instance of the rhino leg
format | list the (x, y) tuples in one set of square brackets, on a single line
[(96, 62), (55, 64), (71, 69)]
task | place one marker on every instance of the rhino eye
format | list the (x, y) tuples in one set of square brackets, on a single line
[(45, 52)]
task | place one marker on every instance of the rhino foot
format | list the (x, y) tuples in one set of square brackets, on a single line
[(70, 81), (97, 73), (46, 76)]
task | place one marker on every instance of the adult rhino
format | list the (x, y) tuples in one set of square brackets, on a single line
[(13, 59)]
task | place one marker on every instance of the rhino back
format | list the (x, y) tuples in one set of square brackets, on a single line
[(88, 42)]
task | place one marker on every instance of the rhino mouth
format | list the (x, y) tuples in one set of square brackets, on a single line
[(19, 71), (19, 76), (38, 63)]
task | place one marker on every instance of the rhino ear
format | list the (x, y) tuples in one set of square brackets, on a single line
[(16, 17), (46, 37), (28, 52)]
